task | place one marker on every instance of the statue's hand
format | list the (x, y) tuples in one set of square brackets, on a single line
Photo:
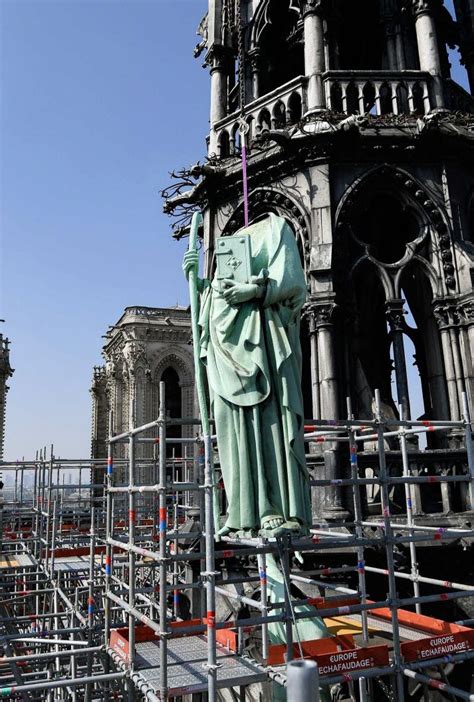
[(190, 262), (239, 292)]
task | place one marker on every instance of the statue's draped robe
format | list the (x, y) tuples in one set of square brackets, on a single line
[(253, 358)]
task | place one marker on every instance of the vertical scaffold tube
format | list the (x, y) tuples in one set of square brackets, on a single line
[(303, 681), (284, 552), (262, 569), (35, 506), (409, 502), (469, 448), (48, 513), (210, 574), (53, 542), (108, 550), (131, 553), (358, 517), (210, 505), (388, 538), (163, 528), (90, 606)]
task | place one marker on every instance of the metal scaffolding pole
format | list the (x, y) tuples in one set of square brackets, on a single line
[(162, 547), (75, 580)]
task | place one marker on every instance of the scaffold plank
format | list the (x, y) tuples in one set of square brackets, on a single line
[(186, 670)]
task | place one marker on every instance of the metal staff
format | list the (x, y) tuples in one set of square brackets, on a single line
[(198, 367), (209, 478), (193, 296)]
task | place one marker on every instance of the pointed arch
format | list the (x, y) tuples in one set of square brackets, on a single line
[(264, 200), (413, 195), (174, 358), (277, 33), (182, 364), (387, 256), (263, 19)]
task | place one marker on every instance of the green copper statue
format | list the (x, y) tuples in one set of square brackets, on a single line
[(249, 343)]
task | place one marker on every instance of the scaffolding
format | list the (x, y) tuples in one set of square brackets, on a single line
[(116, 590)]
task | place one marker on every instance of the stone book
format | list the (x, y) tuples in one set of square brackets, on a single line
[(233, 258)]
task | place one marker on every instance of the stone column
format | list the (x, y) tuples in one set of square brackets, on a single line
[(314, 60), (388, 22), (217, 61), (457, 360), (395, 315), (400, 48), (100, 427), (115, 388), (326, 358), (309, 313), (328, 396), (467, 315), (428, 49), (255, 64), (99, 413), (443, 318)]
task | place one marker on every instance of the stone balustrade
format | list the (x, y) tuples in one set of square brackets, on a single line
[(378, 92), (433, 496), (284, 106), (155, 312), (345, 92)]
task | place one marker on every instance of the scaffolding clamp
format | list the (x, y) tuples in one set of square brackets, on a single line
[(208, 574)]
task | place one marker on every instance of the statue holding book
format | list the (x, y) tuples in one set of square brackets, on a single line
[(249, 343)]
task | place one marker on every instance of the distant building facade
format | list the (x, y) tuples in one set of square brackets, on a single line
[(146, 346), (6, 371)]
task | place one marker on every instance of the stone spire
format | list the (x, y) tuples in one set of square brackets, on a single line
[(6, 371)]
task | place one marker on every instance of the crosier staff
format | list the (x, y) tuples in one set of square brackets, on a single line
[(190, 266)]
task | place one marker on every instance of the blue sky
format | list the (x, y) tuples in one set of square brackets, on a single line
[(100, 99)]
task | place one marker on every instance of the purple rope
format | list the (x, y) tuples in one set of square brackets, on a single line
[(244, 177)]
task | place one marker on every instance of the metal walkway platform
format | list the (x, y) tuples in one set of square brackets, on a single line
[(18, 560), (187, 672)]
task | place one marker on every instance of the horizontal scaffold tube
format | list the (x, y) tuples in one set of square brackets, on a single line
[(438, 685), (320, 583), (421, 527), (39, 634), (68, 682), (60, 642), (135, 612), (169, 421), (411, 479), (421, 579), (51, 654), (154, 488), (337, 425)]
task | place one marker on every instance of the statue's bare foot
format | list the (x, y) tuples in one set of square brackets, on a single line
[(224, 531), (273, 526), (272, 522)]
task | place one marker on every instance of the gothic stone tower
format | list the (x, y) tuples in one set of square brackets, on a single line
[(147, 345), (359, 137), (6, 371)]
